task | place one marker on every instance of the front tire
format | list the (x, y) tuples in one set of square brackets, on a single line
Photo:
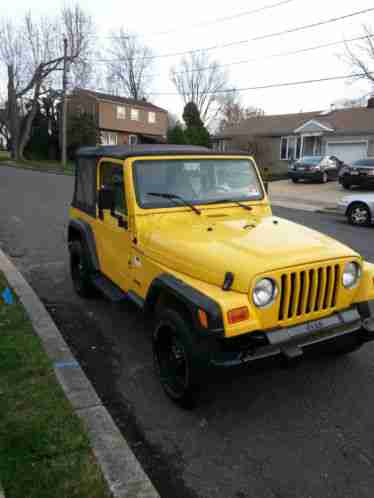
[(346, 186), (174, 359), (80, 270), (295, 180), (359, 214)]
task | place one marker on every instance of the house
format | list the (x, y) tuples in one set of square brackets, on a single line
[(121, 120), (276, 140)]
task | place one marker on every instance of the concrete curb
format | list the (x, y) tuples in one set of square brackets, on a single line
[(122, 471), (35, 168)]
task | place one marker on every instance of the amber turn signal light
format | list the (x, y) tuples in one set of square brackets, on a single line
[(203, 318), (238, 315)]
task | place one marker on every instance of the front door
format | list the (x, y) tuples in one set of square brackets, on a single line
[(112, 226)]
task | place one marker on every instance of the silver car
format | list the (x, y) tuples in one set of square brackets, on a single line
[(359, 208)]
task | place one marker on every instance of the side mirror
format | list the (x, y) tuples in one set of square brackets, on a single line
[(106, 198)]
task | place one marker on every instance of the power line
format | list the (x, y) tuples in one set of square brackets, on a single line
[(255, 39), (266, 57), (217, 20), (274, 85)]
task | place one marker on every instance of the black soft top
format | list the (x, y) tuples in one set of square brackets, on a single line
[(125, 151)]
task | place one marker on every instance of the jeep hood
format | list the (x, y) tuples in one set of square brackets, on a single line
[(246, 246)]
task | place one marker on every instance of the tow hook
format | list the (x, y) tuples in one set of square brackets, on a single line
[(290, 355)]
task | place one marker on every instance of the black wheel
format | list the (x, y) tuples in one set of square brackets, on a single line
[(359, 214), (295, 180), (80, 270), (346, 186), (325, 177), (174, 359)]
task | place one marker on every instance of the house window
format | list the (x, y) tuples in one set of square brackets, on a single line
[(108, 138), (135, 114), (284, 148), (121, 112), (133, 139), (80, 110), (151, 117)]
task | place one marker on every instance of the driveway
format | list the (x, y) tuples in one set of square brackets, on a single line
[(261, 432), (322, 196)]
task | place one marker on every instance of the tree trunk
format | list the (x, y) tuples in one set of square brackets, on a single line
[(26, 129), (13, 115)]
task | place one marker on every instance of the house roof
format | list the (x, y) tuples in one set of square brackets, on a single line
[(347, 121), (118, 100)]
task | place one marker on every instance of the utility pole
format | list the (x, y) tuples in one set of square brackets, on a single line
[(64, 106)]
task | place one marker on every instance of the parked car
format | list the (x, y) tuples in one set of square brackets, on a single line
[(316, 168), (359, 208), (360, 173), (188, 236)]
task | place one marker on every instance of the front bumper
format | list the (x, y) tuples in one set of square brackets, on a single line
[(306, 174), (290, 342)]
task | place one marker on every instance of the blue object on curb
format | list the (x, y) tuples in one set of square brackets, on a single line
[(7, 296), (64, 364)]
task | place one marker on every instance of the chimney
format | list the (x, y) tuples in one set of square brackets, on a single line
[(370, 103)]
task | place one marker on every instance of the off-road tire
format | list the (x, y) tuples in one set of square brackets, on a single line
[(174, 357), (80, 270)]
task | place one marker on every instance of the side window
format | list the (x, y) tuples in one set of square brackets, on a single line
[(111, 175)]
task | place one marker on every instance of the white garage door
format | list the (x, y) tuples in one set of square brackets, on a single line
[(348, 151)]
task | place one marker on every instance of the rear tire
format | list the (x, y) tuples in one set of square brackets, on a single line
[(359, 214), (174, 360), (80, 270)]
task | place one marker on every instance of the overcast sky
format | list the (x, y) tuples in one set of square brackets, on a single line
[(150, 18)]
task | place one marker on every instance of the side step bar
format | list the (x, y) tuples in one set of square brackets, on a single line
[(108, 288), (112, 292)]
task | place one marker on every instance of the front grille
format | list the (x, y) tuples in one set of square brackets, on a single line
[(308, 291)]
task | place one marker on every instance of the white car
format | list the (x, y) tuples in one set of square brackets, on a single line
[(359, 208)]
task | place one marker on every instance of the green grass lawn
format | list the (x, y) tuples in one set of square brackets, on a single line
[(44, 450)]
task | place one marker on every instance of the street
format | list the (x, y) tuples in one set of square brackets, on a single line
[(259, 432)]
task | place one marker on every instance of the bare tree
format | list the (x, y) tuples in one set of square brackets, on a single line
[(233, 112), (361, 55), (31, 51), (200, 80), (129, 69)]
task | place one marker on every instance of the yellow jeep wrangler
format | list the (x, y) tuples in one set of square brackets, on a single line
[(188, 235)]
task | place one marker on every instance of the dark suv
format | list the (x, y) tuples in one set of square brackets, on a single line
[(316, 168), (360, 173)]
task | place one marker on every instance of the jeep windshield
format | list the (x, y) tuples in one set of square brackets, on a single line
[(197, 181)]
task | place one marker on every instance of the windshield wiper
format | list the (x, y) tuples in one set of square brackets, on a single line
[(244, 206), (172, 197)]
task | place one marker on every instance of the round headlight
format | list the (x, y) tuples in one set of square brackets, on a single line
[(351, 275), (264, 292)]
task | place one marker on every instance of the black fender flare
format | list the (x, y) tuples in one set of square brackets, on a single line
[(191, 298), (88, 239)]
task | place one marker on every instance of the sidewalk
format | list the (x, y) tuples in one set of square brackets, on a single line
[(122, 472)]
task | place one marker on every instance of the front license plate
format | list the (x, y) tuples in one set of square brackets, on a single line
[(315, 326)]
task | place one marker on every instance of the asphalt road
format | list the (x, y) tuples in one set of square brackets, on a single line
[(264, 432)]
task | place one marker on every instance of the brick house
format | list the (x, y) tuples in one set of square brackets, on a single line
[(121, 120), (275, 140)]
